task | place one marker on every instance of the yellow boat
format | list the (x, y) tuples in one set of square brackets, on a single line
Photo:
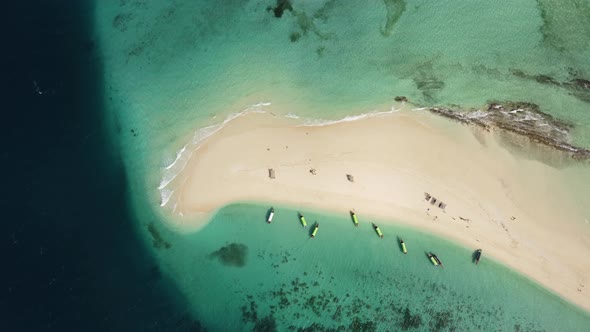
[(403, 245), (354, 218), (315, 230), (302, 219), (378, 230)]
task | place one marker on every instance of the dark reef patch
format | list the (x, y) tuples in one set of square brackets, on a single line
[(233, 254), (395, 9), (294, 36), (410, 321), (266, 324), (577, 87), (280, 8), (157, 240), (121, 21)]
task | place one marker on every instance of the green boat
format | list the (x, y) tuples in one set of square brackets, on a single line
[(432, 259), (378, 230), (404, 249), (354, 218), (302, 219), (315, 230)]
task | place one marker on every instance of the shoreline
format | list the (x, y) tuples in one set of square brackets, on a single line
[(395, 159)]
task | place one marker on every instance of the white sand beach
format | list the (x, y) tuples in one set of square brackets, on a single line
[(519, 211)]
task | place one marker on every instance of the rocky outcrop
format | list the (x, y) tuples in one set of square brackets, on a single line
[(521, 118)]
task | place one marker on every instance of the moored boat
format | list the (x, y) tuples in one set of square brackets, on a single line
[(315, 230), (432, 259), (302, 219), (437, 260), (271, 214), (378, 230), (354, 218), (477, 256), (403, 245)]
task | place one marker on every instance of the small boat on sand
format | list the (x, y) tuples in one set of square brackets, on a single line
[(271, 214), (477, 256), (437, 260), (315, 230), (432, 259), (354, 218), (302, 219), (403, 245), (378, 230)]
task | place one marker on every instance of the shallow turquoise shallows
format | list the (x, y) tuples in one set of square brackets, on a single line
[(247, 273)]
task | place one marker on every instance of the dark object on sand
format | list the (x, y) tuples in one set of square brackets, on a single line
[(271, 173), (477, 256), (350, 177), (312, 171), (427, 196), (442, 205)]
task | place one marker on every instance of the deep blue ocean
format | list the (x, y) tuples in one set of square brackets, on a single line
[(72, 261)]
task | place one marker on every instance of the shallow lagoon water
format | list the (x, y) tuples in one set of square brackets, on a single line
[(347, 278)]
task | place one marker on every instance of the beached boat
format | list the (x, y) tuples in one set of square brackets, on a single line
[(378, 230), (315, 230), (354, 218), (437, 260), (403, 245), (477, 256), (302, 219), (432, 259), (271, 214)]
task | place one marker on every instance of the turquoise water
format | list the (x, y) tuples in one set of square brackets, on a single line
[(173, 68), (347, 276)]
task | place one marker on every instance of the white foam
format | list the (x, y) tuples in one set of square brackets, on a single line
[(170, 172), (178, 156), (165, 195), (350, 118), (477, 114)]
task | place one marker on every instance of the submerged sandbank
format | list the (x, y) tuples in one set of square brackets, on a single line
[(520, 211)]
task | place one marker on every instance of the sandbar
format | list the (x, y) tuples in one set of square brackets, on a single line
[(519, 210)]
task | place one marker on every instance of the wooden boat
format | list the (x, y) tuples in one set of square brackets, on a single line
[(315, 230), (477, 256), (403, 245), (437, 260), (302, 219), (432, 259), (354, 218), (378, 230), (271, 214)]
